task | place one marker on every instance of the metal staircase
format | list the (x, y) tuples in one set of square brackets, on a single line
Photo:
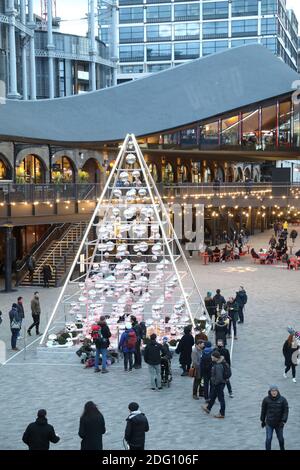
[(59, 255)]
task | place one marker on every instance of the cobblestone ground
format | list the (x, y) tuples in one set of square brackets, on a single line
[(29, 382)]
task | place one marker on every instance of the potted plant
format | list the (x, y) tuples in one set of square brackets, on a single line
[(83, 176)]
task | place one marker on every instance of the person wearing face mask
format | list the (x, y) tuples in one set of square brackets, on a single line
[(36, 313)]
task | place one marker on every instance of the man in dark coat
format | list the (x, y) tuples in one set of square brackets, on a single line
[(15, 325), (274, 415), (152, 357), (136, 428), (217, 385), (102, 343), (226, 354), (38, 435), (206, 365), (184, 348), (47, 273), (21, 311), (241, 300), (219, 300)]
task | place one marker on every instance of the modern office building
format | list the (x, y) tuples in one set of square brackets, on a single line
[(154, 35), (37, 61)]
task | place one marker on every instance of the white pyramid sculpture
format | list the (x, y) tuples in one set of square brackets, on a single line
[(134, 265)]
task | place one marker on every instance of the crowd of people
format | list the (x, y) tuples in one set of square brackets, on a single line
[(233, 249)]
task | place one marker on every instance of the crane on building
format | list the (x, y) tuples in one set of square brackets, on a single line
[(44, 10)]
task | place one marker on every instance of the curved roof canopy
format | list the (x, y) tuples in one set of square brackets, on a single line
[(194, 91)]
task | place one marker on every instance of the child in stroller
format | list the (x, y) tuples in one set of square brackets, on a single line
[(166, 357)]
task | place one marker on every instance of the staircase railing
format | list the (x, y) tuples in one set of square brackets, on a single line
[(54, 258), (37, 250)]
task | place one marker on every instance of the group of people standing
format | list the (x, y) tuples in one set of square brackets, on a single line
[(17, 316), (39, 434)]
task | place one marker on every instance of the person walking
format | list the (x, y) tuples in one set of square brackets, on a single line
[(184, 348), (196, 362), (136, 427), (219, 301), (152, 357), (218, 381), (21, 312), (241, 299), (102, 343), (221, 329), (30, 264), (206, 366), (210, 306), (36, 314), (232, 309), (127, 345), (274, 415), (289, 349), (91, 427), (140, 333), (226, 354), (38, 435), (15, 325), (47, 274)]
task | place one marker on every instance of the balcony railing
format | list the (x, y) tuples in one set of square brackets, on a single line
[(159, 39)]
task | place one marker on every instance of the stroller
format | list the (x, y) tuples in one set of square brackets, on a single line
[(166, 371)]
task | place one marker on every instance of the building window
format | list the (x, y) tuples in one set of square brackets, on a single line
[(196, 172), (187, 50), (230, 131), (215, 10), (244, 7), (159, 52), (189, 137), (158, 13), (158, 67), (268, 26), (5, 173), (210, 47), (285, 115), (268, 7), (31, 170), (270, 43), (244, 28), (168, 174), (250, 130), (269, 126), (189, 11), (131, 15), (131, 34), (153, 171), (215, 29), (209, 134), (63, 171), (131, 53), (186, 31), (243, 42), (162, 32), (132, 68)]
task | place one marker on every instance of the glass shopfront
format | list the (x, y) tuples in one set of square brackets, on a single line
[(182, 174), (154, 172), (5, 171), (168, 173), (63, 171), (284, 131), (250, 130), (230, 131), (269, 127), (31, 170)]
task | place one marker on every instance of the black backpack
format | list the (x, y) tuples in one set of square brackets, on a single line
[(226, 371)]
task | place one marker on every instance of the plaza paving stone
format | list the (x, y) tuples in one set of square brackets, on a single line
[(176, 421)]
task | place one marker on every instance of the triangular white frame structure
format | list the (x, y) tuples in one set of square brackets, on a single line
[(171, 247)]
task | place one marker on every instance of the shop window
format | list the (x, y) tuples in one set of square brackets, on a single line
[(297, 124), (285, 124), (230, 131), (154, 172), (168, 174), (230, 175), (5, 173), (209, 134), (239, 176), (182, 174), (269, 125), (31, 170), (188, 137), (207, 175), (250, 129), (63, 171), (196, 172)]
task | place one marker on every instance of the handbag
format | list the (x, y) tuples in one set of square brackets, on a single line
[(192, 372), (15, 325)]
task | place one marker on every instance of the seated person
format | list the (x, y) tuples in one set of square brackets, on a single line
[(270, 256), (236, 252), (254, 254), (209, 252), (225, 253), (217, 254), (297, 253)]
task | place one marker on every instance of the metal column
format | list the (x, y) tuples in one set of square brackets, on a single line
[(93, 85), (24, 52), (13, 89)]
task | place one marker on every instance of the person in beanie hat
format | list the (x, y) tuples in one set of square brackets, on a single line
[(274, 415), (206, 365), (136, 428), (38, 435)]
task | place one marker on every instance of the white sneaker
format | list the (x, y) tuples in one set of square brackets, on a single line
[(284, 375), (294, 380)]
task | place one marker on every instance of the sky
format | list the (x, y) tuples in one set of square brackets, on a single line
[(72, 10)]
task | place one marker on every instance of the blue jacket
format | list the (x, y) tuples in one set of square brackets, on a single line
[(123, 340)]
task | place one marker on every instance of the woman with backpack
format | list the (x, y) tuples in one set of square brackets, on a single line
[(15, 325), (289, 348), (127, 345), (101, 334)]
